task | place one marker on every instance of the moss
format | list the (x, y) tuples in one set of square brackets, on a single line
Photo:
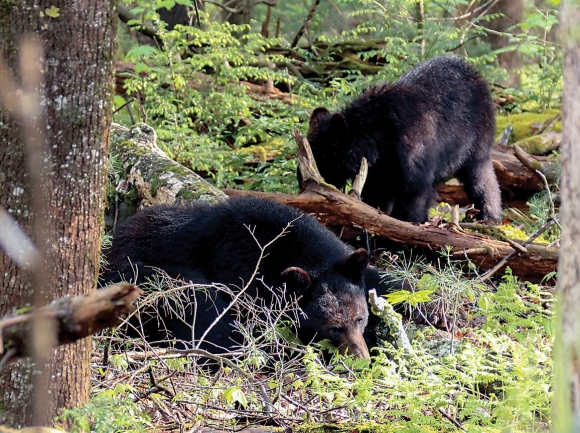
[(540, 144), (204, 192), (518, 234), (261, 152), (522, 123), (23, 310)]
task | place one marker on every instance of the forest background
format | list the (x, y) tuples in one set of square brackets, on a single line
[(223, 86)]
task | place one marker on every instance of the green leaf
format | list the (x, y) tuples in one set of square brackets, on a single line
[(420, 297), (140, 67), (397, 297), (235, 394), (167, 4), (52, 12), (137, 10), (119, 101), (184, 2), (412, 298), (179, 82), (141, 51), (485, 303)]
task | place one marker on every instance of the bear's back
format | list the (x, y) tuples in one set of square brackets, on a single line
[(225, 238)]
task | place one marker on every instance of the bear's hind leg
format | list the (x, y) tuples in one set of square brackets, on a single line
[(414, 207), (482, 188)]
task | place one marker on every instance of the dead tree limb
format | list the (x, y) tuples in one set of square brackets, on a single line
[(515, 171), (74, 318), (147, 29), (150, 176), (337, 209)]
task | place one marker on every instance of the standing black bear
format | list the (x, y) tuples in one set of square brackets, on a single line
[(221, 243), (435, 122)]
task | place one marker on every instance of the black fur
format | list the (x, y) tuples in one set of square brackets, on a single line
[(435, 122), (220, 243)]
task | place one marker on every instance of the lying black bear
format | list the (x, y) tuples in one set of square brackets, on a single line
[(167, 323), (221, 243), (435, 122)]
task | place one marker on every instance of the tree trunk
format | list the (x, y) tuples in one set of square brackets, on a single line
[(512, 11), (76, 111), (566, 416)]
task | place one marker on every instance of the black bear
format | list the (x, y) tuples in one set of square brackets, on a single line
[(168, 320), (435, 122), (222, 243)]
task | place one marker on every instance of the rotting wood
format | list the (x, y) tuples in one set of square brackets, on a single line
[(337, 209), (150, 176), (517, 179), (74, 317)]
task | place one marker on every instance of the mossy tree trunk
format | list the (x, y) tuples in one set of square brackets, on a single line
[(566, 416), (75, 114)]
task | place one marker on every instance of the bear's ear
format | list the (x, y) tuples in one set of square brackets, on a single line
[(355, 265), (318, 116), (296, 279), (338, 127)]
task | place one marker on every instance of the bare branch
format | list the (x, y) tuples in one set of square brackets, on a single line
[(305, 25)]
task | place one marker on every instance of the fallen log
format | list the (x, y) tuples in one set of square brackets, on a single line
[(337, 209), (73, 318), (515, 171), (149, 175), (144, 162)]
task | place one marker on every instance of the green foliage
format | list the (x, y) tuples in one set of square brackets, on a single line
[(524, 123), (109, 411), (542, 81), (443, 288), (498, 377), (192, 89), (235, 395), (492, 377), (540, 213)]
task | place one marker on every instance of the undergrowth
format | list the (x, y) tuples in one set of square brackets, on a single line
[(492, 375)]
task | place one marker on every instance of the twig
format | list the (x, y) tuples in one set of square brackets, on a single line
[(361, 177), (548, 124), (297, 404), (10, 353), (497, 267), (549, 192), (197, 13), (305, 25), (452, 420)]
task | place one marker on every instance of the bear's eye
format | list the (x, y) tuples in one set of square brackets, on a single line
[(360, 321), (334, 330)]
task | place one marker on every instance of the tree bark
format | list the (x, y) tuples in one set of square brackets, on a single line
[(512, 13), (150, 176), (76, 111), (566, 415)]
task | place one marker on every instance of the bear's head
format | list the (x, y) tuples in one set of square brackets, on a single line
[(334, 303), (328, 136)]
